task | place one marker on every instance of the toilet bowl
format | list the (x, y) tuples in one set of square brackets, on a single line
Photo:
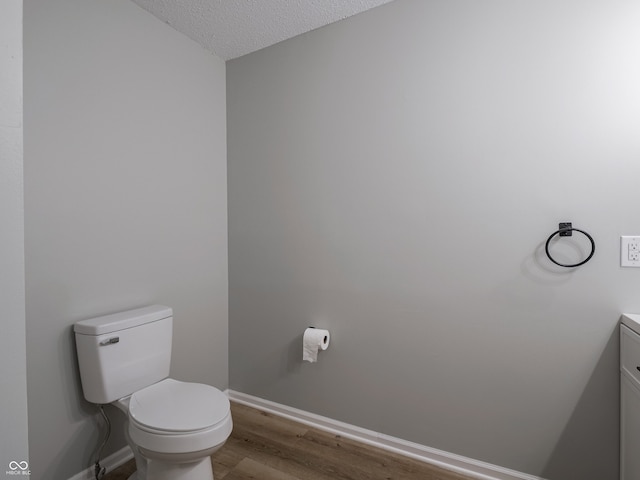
[(172, 427), (175, 427)]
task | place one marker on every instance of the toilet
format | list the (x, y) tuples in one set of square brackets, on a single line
[(172, 427)]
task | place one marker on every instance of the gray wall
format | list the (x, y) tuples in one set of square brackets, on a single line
[(13, 358), (125, 197), (394, 177)]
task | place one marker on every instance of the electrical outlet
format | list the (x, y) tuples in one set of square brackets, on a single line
[(629, 251)]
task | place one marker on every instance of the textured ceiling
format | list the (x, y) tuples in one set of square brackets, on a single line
[(232, 28)]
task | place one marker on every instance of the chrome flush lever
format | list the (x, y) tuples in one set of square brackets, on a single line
[(110, 341)]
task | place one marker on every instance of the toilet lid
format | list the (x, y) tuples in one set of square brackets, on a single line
[(175, 406)]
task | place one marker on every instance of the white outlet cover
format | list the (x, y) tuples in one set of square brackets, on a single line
[(629, 248)]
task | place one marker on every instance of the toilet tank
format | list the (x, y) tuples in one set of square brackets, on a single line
[(122, 353)]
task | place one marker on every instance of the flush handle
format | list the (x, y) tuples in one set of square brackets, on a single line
[(110, 341)]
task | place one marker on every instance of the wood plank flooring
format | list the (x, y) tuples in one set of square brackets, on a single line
[(268, 447)]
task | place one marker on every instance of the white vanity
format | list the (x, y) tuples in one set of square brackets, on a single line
[(630, 397)]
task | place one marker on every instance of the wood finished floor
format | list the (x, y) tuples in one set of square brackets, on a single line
[(268, 447)]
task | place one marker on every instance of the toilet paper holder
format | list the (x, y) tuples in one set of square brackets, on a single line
[(314, 340)]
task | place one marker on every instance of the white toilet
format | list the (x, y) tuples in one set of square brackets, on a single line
[(173, 427)]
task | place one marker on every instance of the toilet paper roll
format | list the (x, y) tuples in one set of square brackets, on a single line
[(314, 340)]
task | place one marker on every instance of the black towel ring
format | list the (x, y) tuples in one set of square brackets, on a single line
[(565, 231)]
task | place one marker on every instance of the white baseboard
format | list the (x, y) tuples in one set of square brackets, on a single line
[(457, 463), (111, 462)]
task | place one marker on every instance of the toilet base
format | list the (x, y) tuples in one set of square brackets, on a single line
[(159, 470), (201, 470)]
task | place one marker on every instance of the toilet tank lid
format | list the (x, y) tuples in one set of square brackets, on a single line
[(121, 320)]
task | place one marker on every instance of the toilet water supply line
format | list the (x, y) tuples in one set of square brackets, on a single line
[(99, 472)]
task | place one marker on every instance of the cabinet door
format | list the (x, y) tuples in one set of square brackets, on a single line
[(629, 430)]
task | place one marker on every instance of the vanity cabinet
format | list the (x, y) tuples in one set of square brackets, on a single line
[(630, 398)]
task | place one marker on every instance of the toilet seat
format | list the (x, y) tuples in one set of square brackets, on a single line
[(173, 406), (179, 417)]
